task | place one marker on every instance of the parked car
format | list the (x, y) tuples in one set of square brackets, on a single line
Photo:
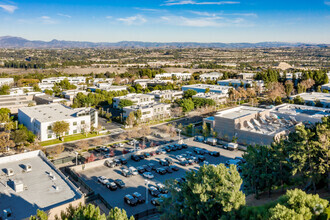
[(130, 200), (161, 188), (199, 138), (152, 166), (211, 141), (139, 197), (148, 175), (156, 201), (102, 179), (180, 158), (167, 149), (141, 156), (120, 183), (180, 180), (175, 168), (169, 160), (121, 144), (110, 163), (118, 162), (146, 168), (161, 171), (168, 169), (111, 185), (126, 172), (136, 158), (158, 151), (152, 153), (114, 145), (201, 158), (123, 161), (232, 146), (164, 162), (184, 163), (153, 191), (197, 150), (185, 146), (133, 171), (240, 159), (140, 169), (178, 146), (214, 153), (234, 162), (146, 155)]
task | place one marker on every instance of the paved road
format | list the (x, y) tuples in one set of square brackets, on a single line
[(137, 183)]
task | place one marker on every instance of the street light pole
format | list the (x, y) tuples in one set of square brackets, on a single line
[(147, 186), (76, 157)]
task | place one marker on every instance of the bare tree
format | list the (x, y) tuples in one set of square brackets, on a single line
[(82, 145), (275, 89), (5, 141)]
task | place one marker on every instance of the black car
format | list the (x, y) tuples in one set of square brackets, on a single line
[(118, 162), (164, 162), (111, 185), (185, 146), (168, 169), (180, 180), (174, 147), (156, 201), (161, 171), (158, 152), (154, 191), (120, 183), (169, 160), (141, 156), (200, 158), (204, 151), (146, 168), (240, 159), (214, 153), (130, 200), (123, 161), (174, 168), (152, 166), (140, 169), (184, 163), (161, 188), (167, 149), (139, 197), (146, 155), (197, 150), (135, 158), (178, 146)]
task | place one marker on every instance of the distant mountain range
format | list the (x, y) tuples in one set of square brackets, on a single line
[(18, 42)]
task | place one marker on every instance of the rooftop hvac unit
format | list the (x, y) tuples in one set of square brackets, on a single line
[(9, 171), (18, 186), (27, 167)]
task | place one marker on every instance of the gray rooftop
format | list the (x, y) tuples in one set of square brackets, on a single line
[(44, 186), (51, 112), (323, 97), (239, 112)]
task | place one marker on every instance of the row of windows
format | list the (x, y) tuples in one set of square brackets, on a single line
[(74, 124), (67, 133)]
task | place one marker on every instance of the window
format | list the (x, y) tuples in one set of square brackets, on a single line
[(74, 123), (82, 130), (50, 136), (66, 133), (83, 122), (75, 131), (49, 127)]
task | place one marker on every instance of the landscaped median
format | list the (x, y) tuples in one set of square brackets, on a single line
[(69, 138)]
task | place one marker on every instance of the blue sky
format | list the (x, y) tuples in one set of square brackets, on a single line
[(167, 20)]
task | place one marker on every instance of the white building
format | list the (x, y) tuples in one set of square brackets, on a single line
[(71, 94), (161, 95), (246, 76), (95, 81), (289, 76), (246, 83), (14, 102), (73, 80), (313, 97), (39, 119), (202, 88), (180, 76), (151, 82), (210, 76), (6, 81), (20, 90), (137, 99), (107, 87), (218, 98), (153, 111), (44, 86)]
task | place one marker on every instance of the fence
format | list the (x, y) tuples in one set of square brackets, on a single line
[(76, 178), (63, 160)]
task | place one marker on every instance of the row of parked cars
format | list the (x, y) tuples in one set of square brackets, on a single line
[(238, 161), (110, 183), (214, 141)]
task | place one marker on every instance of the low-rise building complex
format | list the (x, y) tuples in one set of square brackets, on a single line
[(162, 95), (180, 76), (14, 102), (315, 97), (218, 98), (202, 88), (137, 99), (210, 76), (155, 111)]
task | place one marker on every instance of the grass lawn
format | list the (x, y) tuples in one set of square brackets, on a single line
[(68, 139)]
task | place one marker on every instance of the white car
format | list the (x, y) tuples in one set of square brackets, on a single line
[(133, 171), (180, 158), (102, 179), (163, 151), (121, 144), (148, 175)]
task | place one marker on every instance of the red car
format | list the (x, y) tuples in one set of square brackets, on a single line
[(153, 153)]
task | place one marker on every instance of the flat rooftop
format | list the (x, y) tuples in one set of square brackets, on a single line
[(51, 112), (323, 97), (239, 112), (205, 86), (310, 111), (44, 186)]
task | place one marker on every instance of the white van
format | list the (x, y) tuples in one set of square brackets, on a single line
[(232, 146)]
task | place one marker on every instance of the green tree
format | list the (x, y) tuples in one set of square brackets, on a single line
[(5, 90), (4, 115), (207, 90), (82, 212), (130, 119), (60, 127), (118, 214), (288, 87), (206, 130), (189, 93), (125, 102), (208, 193), (187, 105), (138, 114), (298, 100), (41, 215)]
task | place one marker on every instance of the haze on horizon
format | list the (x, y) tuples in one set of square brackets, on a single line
[(168, 20)]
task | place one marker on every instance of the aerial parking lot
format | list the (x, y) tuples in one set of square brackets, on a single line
[(139, 178)]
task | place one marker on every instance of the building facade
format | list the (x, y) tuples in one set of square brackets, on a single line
[(155, 111), (72, 80), (137, 99), (162, 95), (218, 98), (314, 97), (39, 119), (201, 88), (210, 76), (179, 76)]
